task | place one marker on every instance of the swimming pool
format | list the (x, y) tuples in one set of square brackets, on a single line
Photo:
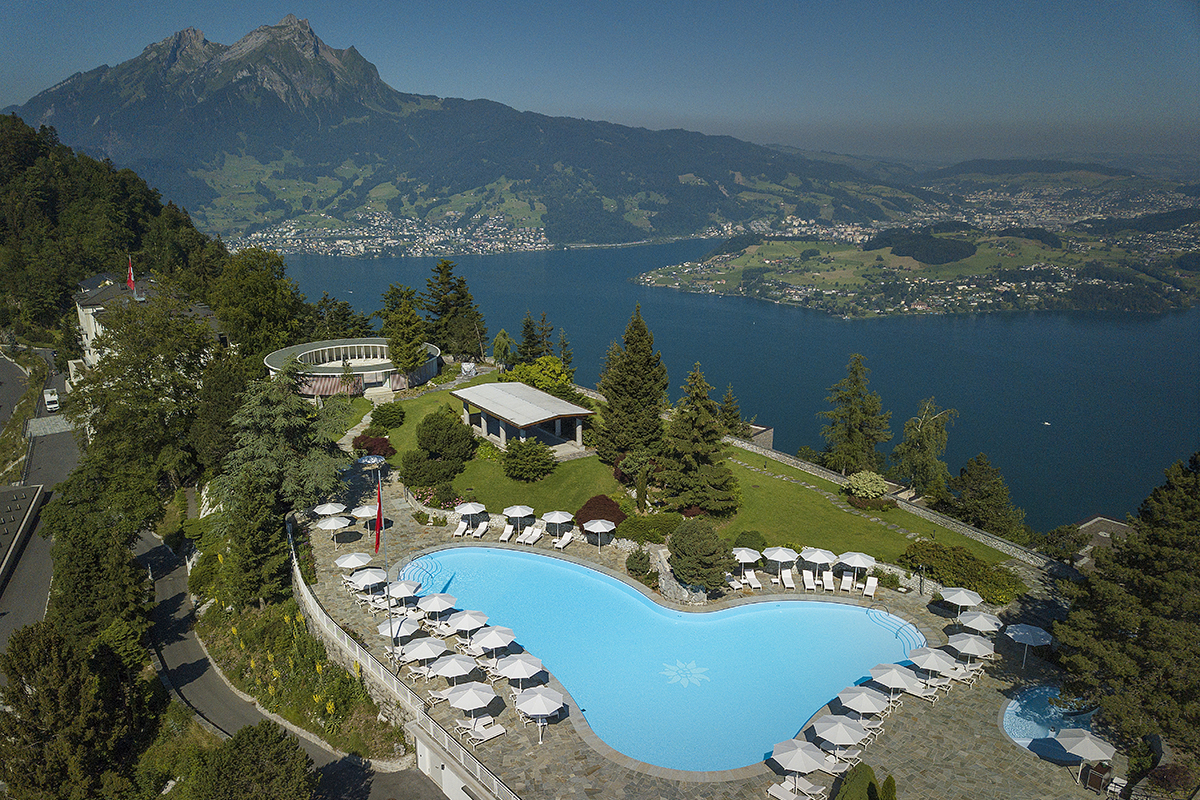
[(688, 691), (1029, 716)]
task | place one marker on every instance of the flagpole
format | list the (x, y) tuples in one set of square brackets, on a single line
[(378, 533)]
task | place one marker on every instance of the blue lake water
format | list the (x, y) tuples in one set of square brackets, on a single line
[(1121, 392), (690, 691)]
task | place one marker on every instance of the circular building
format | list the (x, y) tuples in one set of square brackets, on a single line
[(350, 366)]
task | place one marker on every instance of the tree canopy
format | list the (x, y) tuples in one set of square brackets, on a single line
[(699, 557), (979, 496), (455, 323), (1132, 639), (918, 456), (857, 422), (633, 382), (260, 761), (692, 470)]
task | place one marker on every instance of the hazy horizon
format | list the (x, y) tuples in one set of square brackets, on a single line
[(880, 79)]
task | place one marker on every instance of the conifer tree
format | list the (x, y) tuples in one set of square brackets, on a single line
[(857, 422), (918, 457), (633, 382), (406, 339), (535, 339), (692, 469), (564, 353), (698, 557), (979, 496), (730, 415), (455, 323)]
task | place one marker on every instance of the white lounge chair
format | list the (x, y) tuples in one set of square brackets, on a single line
[(438, 696), (534, 535), (752, 579), (480, 530), (733, 582), (808, 788), (473, 724), (788, 582), (827, 580), (461, 529), (417, 671), (847, 581), (810, 583), (481, 735), (561, 542), (872, 585), (927, 693), (507, 533), (833, 766), (780, 791)]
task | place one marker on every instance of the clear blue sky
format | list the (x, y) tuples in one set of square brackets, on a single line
[(935, 80)]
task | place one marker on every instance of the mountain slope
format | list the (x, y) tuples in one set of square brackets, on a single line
[(281, 126)]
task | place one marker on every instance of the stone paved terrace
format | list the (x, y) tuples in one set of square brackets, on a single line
[(949, 751)]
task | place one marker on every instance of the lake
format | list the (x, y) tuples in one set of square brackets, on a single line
[(1081, 411)]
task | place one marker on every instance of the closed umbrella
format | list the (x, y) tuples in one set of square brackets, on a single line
[(599, 527), (961, 598), (436, 603), (780, 555), (423, 649), (327, 509), (493, 638), (746, 555), (894, 676), (367, 577), (519, 667), (863, 699), (1082, 743), (980, 621), (398, 628), (971, 645), (1027, 635), (452, 666), (839, 730), (798, 756), (353, 560), (334, 523), (539, 702)]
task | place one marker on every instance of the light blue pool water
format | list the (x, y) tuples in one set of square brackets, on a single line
[(689, 691), (1029, 716)]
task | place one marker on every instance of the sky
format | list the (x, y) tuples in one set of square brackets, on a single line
[(917, 80)]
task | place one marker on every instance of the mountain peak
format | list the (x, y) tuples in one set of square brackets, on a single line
[(183, 51)]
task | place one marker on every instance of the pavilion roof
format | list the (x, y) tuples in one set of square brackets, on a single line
[(518, 404)]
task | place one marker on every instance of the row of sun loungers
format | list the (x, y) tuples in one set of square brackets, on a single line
[(750, 578)]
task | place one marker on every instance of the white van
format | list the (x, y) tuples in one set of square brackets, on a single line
[(50, 396)]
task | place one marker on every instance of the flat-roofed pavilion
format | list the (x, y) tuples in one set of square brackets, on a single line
[(515, 410)]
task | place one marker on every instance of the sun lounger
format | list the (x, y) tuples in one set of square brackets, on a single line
[(534, 535), (942, 684), (780, 791), (833, 766), (752, 579), (808, 788), (872, 585), (561, 542), (788, 582), (507, 533), (810, 583), (733, 582), (827, 580), (417, 671), (480, 530), (481, 735), (847, 581), (473, 724), (461, 529), (438, 696), (927, 693)]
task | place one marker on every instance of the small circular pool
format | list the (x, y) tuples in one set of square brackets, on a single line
[(1030, 716), (687, 691)]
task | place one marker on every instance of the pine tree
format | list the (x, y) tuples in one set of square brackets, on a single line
[(564, 353), (692, 470), (730, 415), (698, 557), (535, 339), (979, 497), (633, 382), (455, 323), (857, 422), (918, 457), (406, 338)]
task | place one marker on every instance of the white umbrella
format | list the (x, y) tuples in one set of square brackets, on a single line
[(327, 509), (780, 555), (1079, 742), (436, 603), (402, 589), (353, 560), (493, 638), (1027, 635), (864, 699), (599, 527), (971, 644), (370, 461), (367, 577), (798, 756), (423, 649), (540, 702), (931, 660), (471, 696), (557, 518), (519, 667), (365, 512), (839, 730), (746, 555), (334, 523), (894, 676), (961, 598), (453, 665), (856, 561), (467, 620), (518, 511), (469, 508), (398, 628), (815, 555), (980, 621)]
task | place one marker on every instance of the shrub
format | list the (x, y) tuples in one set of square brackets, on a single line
[(373, 445), (421, 517), (443, 436), (600, 507), (873, 504), (698, 556), (752, 539), (203, 576), (653, 529), (389, 415), (444, 496), (486, 451), (1172, 777), (528, 461), (867, 485), (957, 566), (418, 469), (375, 430), (638, 562), (888, 580)]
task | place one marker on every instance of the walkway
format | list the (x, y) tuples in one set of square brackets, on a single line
[(949, 751)]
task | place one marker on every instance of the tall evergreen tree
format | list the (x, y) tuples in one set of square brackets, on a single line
[(1132, 640), (692, 469), (564, 353), (699, 557), (979, 496), (857, 422), (455, 323), (225, 378), (258, 305), (406, 338), (535, 339), (730, 415), (919, 457), (262, 761), (393, 297), (633, 382)]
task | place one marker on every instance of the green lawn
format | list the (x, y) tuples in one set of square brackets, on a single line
[(567, 488), (405, 437), (789, 514)]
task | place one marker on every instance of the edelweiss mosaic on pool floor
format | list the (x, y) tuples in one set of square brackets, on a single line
[(689, 691)]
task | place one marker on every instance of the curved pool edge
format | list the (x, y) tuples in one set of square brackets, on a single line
[(577, 719)]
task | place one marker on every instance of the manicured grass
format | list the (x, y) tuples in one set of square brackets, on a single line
[(405, 437), (789, 514), (355, 410), (567, 488)]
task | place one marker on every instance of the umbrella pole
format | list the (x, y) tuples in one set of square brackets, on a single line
[(388, 594)]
